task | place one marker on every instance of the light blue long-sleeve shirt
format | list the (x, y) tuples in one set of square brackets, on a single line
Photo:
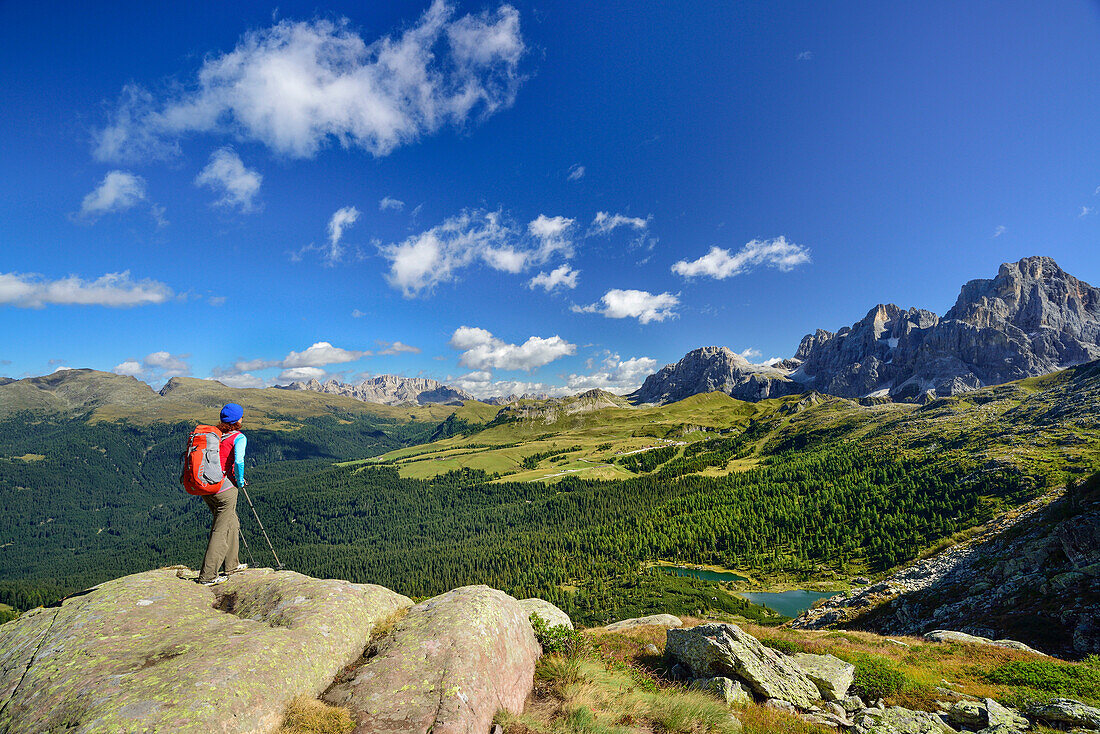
[(236, 475)]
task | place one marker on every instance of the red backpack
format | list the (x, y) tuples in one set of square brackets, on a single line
[(201, 462)]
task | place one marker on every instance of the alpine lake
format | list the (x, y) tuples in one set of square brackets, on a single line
[(788, 603)]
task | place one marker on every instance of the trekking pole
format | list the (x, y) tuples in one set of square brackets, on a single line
[(278, 563), (247, 550)]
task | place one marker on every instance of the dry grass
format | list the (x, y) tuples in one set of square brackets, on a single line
[(588, 695), (305, 715)]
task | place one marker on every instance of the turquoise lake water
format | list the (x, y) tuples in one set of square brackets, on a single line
[(788, 603), (701, 573)]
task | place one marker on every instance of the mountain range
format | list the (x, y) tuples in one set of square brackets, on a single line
[(1031, 319)]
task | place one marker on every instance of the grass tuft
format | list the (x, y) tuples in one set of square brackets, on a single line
[(305, 715)]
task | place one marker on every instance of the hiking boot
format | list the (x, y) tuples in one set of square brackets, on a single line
[(215, 581), (240, 567)]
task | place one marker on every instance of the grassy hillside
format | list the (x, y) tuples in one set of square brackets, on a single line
[(1045, 427), (106, 397)]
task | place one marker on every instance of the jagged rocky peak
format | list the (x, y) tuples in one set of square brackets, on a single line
[(710, 369), (1059, 313), (389, 390), (1033, 318)]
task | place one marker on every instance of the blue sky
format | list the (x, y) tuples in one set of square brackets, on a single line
[(522, 196)]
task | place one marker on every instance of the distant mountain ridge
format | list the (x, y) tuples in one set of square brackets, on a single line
[(1031, 319), (390, 390)]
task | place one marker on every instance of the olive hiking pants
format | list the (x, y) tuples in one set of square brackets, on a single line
[(224, 541)]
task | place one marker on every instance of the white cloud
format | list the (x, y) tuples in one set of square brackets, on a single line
[(130, 367), (605, 223), (552, 234), (387, 202), (156, 366), (357, 314), (424, 260), (299, 86), (751, 353), (481, 350), (227, 174), (243, 380), (481, 384), (1085, 211), (805, 56), (296, 374), (576, 172), (720, 264), (563, 276), (1000, 230), (321, 354), (642, 305), (341, 220), (315, 356), (117, 290), (117, 192), (615, 375), (397, 348)]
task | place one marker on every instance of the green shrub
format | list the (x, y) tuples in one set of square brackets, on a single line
[(1077, 681), (876, 677), (559, 638)]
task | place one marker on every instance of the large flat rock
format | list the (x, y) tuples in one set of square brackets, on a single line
[(726, 650), (448, 667), (153, 653)]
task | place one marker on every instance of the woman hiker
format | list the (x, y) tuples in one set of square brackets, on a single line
[(221, 549)]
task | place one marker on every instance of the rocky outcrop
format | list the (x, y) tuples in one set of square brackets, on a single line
[(726, 650), (1066, 711), (658, 620), (898, 720), (152, 652), (1033, 577), (715, 369), (390, 390), (448, 667), (554, 410), (1033, 318)]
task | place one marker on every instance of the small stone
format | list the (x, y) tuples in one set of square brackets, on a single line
[(651, 649), (778, 705)]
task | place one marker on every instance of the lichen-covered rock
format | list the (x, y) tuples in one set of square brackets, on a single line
[(730, 691), (151, 652), (898, 720), (448, 667), (657, 620), (726, 650), (830, 674), (1066, 711), (962, 637), (967, 713), (1003, 720), (549, 613)]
